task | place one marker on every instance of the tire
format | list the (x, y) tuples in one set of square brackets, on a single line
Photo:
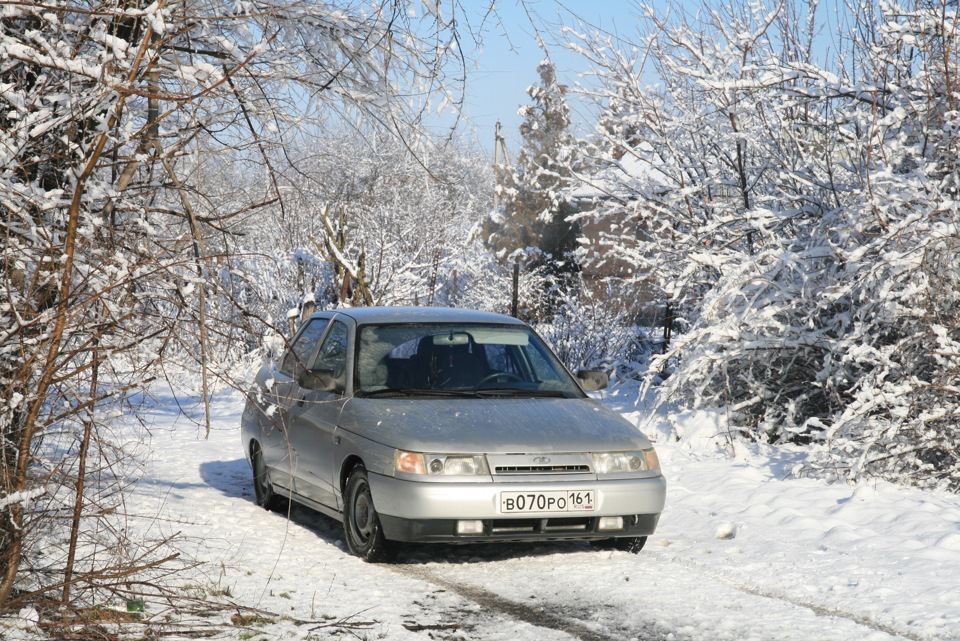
[(625, 543), (263, 492), (361, 525)]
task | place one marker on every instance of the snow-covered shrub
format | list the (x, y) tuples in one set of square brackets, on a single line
[(807, 210), (758, 346), (472, 278), (897, 361), (391, 219), (596, 334)]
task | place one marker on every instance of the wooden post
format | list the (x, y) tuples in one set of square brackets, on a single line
[(309, 307), (515, 305), (292, 321), (667, 326), (345, 287)]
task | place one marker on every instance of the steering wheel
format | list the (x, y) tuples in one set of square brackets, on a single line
[(506, 376)]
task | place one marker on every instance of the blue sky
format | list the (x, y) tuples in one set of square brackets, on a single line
[(505, 64), (501, 69)]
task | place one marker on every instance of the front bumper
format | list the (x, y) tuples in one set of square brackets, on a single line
[(420, 512), (514, 529)]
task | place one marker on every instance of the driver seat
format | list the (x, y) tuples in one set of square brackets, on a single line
[(450, 366)]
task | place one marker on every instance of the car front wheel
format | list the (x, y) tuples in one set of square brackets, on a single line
[(361, 524), (262, 490), (626, 543)]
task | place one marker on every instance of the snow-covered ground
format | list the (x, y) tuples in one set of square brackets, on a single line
[(742, 553)]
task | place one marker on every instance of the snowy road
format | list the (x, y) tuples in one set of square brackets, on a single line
[(809, 561), (652, 599), (666, 601)]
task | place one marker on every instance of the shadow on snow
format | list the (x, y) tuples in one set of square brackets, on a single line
[(233, 480)]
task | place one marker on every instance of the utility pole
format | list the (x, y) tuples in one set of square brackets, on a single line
[(500, 157)]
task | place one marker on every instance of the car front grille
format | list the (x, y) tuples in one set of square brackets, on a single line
[(539, 464), (542, 469)]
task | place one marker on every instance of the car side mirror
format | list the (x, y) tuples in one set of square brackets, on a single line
[(321, 380), (592, 380)]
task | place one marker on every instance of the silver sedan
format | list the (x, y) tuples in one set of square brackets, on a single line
[(421, 425)]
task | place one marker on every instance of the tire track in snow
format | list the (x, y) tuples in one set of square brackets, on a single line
[(536, 616), (776, 595), (544, 616)]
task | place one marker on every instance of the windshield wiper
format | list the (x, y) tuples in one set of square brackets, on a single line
[(515, 391), (417, 391)]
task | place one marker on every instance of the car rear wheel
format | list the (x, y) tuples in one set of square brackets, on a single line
[(262, 490), (626, 543), (361, 525)]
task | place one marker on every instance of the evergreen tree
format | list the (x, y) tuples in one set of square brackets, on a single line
[(534, 212)]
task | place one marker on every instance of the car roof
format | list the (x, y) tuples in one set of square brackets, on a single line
[(376, 315)]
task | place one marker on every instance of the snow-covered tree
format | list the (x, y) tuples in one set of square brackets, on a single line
[(804, 208), (694, 172), (116, 249), (535, 211), (387, 221)]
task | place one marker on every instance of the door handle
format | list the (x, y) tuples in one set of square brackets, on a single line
[(301, 401)]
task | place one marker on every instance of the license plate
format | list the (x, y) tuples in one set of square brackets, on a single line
[(559, 501)]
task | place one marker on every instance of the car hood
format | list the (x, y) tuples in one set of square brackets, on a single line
[(493, 425)]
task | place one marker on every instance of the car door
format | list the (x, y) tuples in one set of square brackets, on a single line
[(283, 390), (313, 420)]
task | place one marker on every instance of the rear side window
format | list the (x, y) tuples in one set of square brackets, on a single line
[(297, 357)]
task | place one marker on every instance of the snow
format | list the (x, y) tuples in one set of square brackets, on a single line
[(21, 497), (744, 551), (726, 530)]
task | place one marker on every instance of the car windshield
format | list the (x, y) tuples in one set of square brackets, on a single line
[(458, 359)]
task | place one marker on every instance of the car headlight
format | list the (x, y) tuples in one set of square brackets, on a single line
[(617, 462), (441, 464)]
